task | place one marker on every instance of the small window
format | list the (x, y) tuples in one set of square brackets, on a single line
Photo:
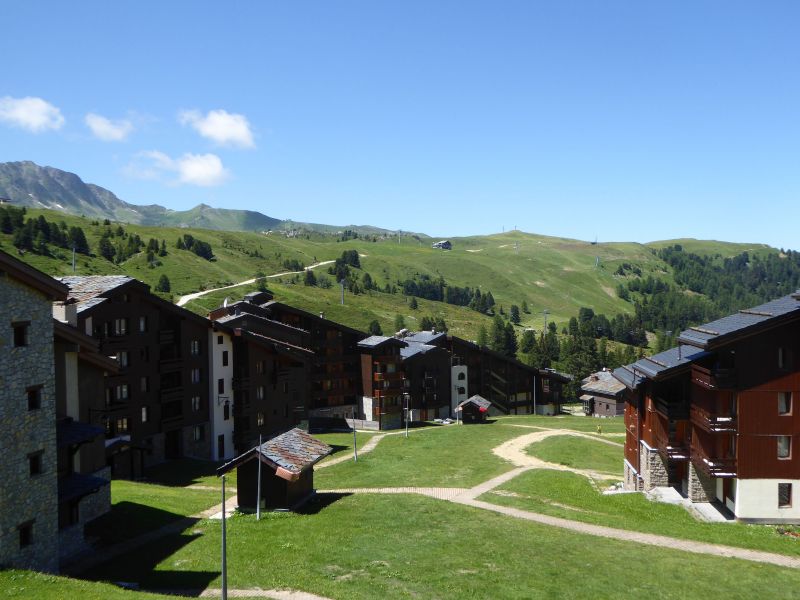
[(461, 376), (220, 385), (142, 324), (199, 433), (781, 357), (122, 357), (120, 326), (122, 392), (260, 419), (35, 463), (21, 333), (285, 387), (286, 410), (25, 534), (219, 339), (194, 347), (784, 495), (34, 398), (784, 447), (196, 403), (260, 392), (784, 403), (195, 375), (122, 425), (145, 414), (259, 367), (224, 358), (226, 411), (144, 384)]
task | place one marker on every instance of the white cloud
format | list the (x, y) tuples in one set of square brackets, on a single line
[(203, 170), (34, 114), (220, 126), (108, 130)]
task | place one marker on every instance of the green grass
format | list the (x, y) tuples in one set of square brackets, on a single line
[(29, 585), (579, 453), (573, 496), (187, 471), (585, 424), (138, 508), (408, 546), (342, 443)]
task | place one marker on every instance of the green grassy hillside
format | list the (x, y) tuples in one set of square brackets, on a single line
[(554, 274)]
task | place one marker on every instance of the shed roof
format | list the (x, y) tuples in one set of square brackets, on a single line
[(477, 400), (289, 454), (417, 349), (602, 382), (376, 341), (425, 337)]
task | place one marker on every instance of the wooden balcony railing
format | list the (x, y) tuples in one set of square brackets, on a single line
[(713, 422), (714, 379), (671, 449), (713, 466)]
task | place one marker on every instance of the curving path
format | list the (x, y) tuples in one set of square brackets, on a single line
[(189, 297)]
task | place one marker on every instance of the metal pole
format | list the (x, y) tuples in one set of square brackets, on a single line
[(355, 449), (224, 553), (258, 485), (408, 401), (535, 388), (73, 258)]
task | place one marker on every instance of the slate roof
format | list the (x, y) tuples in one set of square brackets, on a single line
[(425, 337), (741, 323), (602, 382), (477, 400), (658, 365), (70, 433), (375, 341), (415, 349), (77, 486), (293, 451), (89, 290)]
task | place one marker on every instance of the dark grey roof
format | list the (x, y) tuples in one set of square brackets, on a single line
[(658, 365), (90, 290), (77, 486), (292, 451), (70, 433), (415, 348), (602, 382), (375, 341), (425, 337), (626, 376), (477, 400), (742, 322)]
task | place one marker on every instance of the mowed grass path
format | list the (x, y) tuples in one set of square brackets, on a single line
[(573, 496), (445, 456), (404, 546), (579, 453)]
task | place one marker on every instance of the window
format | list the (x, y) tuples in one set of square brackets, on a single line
[(35, 463), (781, 358), (195, 375), (194, 347), (34, 398), (226, 411), (196, 403), (286, 410), (461, 376), (784, 403), (144, 353), (142, 324), (784, 446), (219, 339), (144, 384), (259, 367), (122, 392), (220, 386), (224, 358), (120, 326), (21, 333), (145, 414), (285, 387), (122, 357), (199, 433), (25, 534), (784, 495), (260, 419), (260, 392), (122, 425)]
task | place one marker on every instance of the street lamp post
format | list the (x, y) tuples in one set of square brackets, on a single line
[(224, 548)]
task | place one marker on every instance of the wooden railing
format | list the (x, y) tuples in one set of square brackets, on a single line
[(711, 421), (713, 466), (714, 379)]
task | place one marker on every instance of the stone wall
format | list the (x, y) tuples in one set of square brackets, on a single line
[(653, 468), (27, 498), (702, 488), (631, 480), (71, 540)]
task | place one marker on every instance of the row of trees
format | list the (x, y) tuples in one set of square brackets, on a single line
[(192, 244), (37, 234)]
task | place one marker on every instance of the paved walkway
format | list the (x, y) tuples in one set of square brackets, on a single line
[(242, 593), (365, 449)]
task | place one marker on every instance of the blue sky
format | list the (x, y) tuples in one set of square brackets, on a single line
[(617, 120)]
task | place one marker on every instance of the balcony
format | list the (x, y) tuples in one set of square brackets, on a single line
[(714, 379), (671, 449), (387, 377), (170, 394), (166, 336), (240, 383), (713, 422), (713, 466)]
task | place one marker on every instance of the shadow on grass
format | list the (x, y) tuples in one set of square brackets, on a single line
[(127, 520), (320, 501), (181, 472), (337, 449)]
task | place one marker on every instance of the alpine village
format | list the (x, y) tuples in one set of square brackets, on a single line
[(356, 412)]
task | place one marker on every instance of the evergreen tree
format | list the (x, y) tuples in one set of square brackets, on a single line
[(483, 336), (413, 303), (525, 308), (399, 322), (163, 250), (514, 314), (163, 284), (309, 278), (105, 248), (375, 328), (528, 341)]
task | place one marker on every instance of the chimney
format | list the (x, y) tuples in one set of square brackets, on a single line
[(66, 312)]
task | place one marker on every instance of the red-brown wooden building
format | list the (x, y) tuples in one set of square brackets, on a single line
[(718, 416)]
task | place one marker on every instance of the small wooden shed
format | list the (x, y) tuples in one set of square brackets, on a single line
[(287, 471), (474, 409)]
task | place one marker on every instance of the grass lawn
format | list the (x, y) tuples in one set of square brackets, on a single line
[(587, 424), (342, 443), (572, 496), (408, 546), (137, 508), (446, 456), (28, 585), (579, 453), (187, 471)]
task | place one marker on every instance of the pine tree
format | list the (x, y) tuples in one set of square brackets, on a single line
[(483, 336), (525, 308), (375, 328), (413, 303), (399, 322), (163, 284), (514, 314)]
